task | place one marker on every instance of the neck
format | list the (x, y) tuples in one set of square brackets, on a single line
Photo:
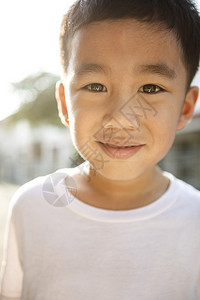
[(125, 194)]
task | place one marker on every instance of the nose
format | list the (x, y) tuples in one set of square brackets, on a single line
[(121, 114), (120, 121)]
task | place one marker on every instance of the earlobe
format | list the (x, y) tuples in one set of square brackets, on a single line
[(188, 107), (61, 103)]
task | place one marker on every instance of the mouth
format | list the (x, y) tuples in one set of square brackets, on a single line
[(119, 146), (120, 150)]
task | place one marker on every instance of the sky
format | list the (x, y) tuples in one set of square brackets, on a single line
[(29, 32)]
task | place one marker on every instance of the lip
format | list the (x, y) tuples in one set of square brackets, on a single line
[(119, 151)]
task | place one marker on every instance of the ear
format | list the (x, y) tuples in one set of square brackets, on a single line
[(62, 107), (188, 107)]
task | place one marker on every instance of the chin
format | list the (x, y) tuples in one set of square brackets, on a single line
[(120, 173)]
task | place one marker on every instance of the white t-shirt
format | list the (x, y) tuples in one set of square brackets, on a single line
[(59, 247)]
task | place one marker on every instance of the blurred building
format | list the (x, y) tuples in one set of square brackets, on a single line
[(183, 160), (27, 152)]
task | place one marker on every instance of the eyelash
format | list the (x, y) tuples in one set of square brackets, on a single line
[(149, 87), (102, 89), (92, 85)]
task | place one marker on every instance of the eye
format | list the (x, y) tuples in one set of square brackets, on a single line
[(150, 89), (95, 87)]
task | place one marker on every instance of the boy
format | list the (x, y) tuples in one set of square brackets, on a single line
[(116, 227)]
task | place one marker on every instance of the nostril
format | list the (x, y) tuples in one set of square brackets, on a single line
[(107, 121), (108, 126), (131, 127)]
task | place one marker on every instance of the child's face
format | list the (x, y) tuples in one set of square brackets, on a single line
[(125, 86)]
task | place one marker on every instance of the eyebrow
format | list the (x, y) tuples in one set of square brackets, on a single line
[(160, 69), (86, 68)]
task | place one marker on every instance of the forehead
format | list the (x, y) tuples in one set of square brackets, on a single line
[(126, 43)]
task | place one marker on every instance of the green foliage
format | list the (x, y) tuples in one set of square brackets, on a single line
[(38, 100)]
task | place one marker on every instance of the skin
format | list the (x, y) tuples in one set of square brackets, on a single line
[(124, 49)]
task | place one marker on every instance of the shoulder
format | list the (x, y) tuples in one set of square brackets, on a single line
[(40, 191), (182, 188), (186, 190), (187, 197)]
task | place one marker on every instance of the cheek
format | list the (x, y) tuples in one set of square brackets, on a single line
[(82, 125), (168, 112), (163, 129)]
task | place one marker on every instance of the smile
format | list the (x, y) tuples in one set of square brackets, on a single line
[(120, 151)]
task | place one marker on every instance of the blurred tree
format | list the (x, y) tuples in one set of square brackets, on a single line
[(39, 106), (38, 100)]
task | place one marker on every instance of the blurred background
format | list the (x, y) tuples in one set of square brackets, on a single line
[(33, 140)]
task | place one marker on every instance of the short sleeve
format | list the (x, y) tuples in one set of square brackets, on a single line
[(11, 270)]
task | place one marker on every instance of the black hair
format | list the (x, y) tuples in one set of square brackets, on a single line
[(179, 16)]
